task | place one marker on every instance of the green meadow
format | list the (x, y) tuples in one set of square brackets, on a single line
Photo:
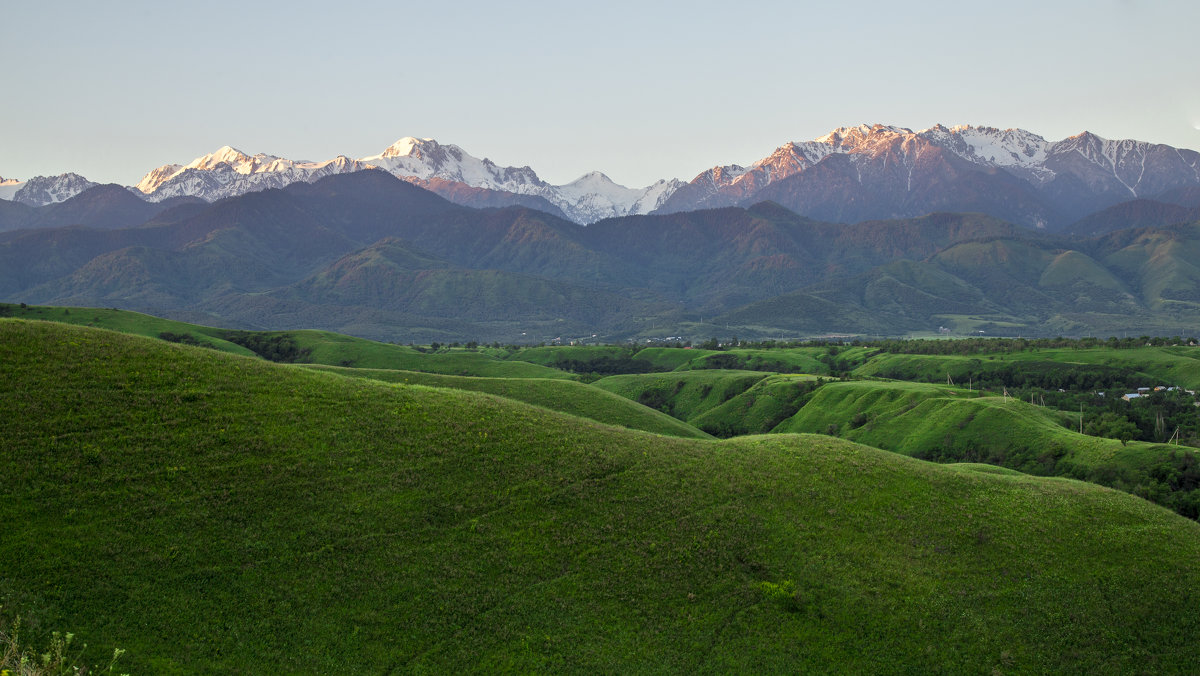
[(949, 424), (216, 513), (303, 346), (682, 394), (565, 396)]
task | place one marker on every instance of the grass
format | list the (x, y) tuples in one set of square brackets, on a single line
[(549, 355), (682, 394), (671, 358), (125, 321), (950, 424), (218, 514), (565, 396), (760, 409), (793, 360), (335, 349), (323, 347), (59, 658)]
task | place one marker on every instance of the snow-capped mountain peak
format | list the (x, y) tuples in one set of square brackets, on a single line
[(885, 171), (226, 154), (42, 190), (407, 146), (9, 187), (229, 171)]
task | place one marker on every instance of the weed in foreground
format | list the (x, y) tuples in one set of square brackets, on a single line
[(59, 659)]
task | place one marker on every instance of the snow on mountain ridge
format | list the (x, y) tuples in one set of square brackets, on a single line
[(1022, 152), (9, 187), (41, 190), (229, 171)]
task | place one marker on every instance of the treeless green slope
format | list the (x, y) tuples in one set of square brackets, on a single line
[(566, 396), (216, 514), (682, 394), (319, 347), (337, 349), (761, 408), (950, 424), (124, 321)]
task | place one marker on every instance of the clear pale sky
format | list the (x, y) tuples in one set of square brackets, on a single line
[(639, 90)]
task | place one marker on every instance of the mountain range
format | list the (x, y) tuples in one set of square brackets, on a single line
[(368, 254), (851, 175)]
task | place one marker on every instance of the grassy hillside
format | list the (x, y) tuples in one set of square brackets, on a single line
[(336, 349), (313, 347), (217, 514), (671, 358), (950, 424), (682, 394), (759, 409), (125, 321), (796, 360), (566, 396), (549, 355)]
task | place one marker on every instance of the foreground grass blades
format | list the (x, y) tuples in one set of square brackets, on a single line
[(212, 513)]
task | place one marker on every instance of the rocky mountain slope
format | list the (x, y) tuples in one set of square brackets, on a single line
[(866, 172), (850, 175)]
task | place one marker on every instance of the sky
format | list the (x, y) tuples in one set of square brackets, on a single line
[(639, 90)]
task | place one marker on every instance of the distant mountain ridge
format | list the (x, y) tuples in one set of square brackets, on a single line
[(443, 168), (369, 254), (849, 175), (869, 172)]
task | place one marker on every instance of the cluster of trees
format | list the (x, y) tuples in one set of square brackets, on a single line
[(606, 365), (1171, 480), (470, 345), (1006, 345), (279, 347), (1158, 417), (1025, 375)]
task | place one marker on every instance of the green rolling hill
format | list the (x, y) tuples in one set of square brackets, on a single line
[(682, 394), (304, 346), (951, 424), (556, 394), (214, 513)]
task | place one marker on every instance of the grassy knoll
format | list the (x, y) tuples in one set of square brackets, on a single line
[(218, 514), (671, 358), (794, 360), (820, 359), (307, 346), (759, 409), (950, 424), (336, 349), (549, 355), (126, 321), (590, 361), (566, 396), (682, 394)]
